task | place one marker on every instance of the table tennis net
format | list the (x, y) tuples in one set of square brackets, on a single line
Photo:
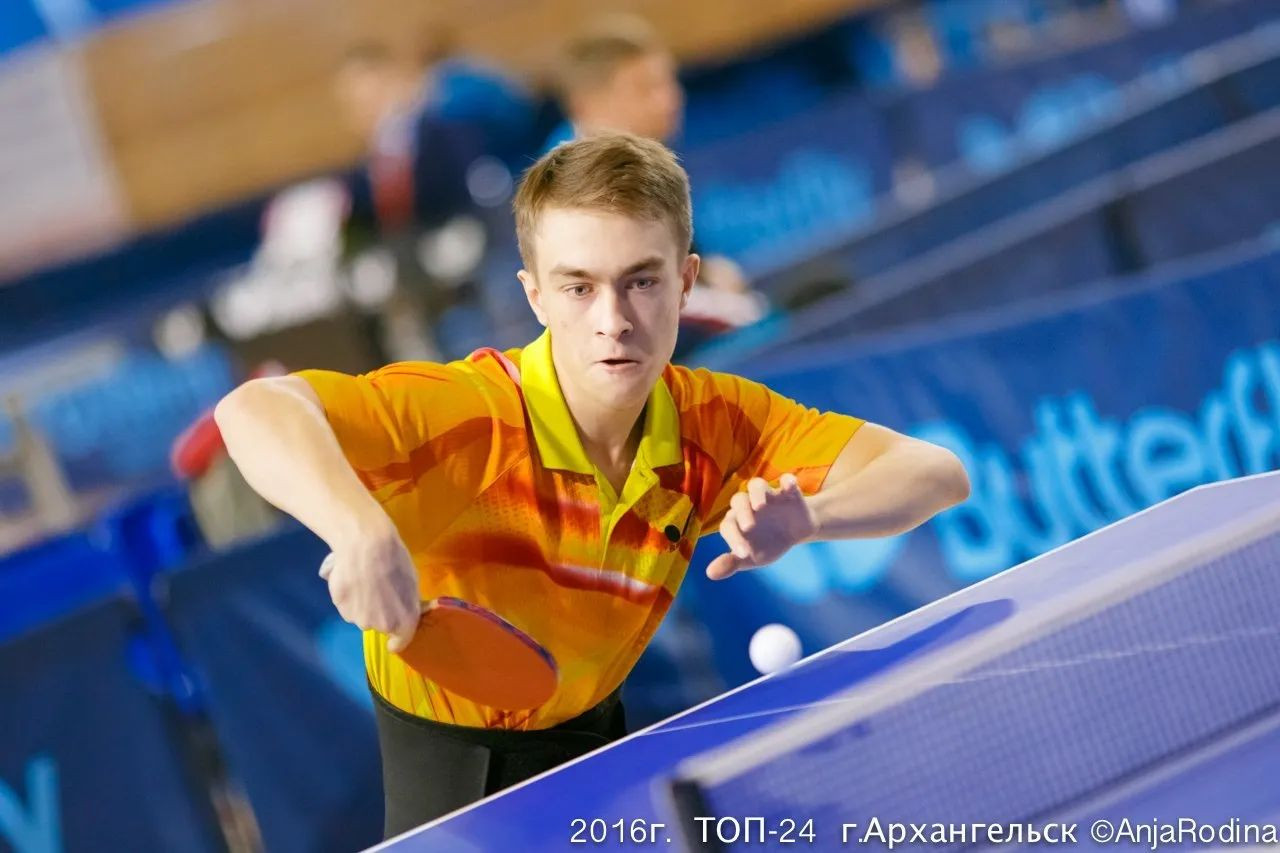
[(1097, 700)]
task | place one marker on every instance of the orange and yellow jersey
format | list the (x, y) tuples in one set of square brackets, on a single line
[(480, 466)]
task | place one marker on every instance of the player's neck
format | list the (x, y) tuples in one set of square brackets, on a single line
[(610, 437), (614, 434), (615, 460)]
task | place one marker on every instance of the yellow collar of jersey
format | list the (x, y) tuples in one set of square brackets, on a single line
[(553, 429)]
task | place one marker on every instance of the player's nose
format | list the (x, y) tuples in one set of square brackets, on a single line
[(611, 317)]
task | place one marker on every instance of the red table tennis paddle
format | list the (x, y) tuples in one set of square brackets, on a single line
[(476, 653)]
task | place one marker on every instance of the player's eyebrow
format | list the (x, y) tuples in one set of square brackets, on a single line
[(652, 262), (648, 263), (569, 272)]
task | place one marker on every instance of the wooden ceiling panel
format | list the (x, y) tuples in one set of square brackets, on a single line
[(209, 100)]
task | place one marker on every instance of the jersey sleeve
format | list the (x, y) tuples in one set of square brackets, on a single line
[(764, 434), (418, 435)]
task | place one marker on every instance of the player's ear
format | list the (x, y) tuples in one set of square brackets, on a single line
[(688, 275), (533, 293)]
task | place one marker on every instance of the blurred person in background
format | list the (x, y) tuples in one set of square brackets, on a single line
[(466, 90), (442, 134), (418, 153), (413, 176), (618, 76)]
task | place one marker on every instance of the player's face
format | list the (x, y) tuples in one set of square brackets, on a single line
[(609, 288)]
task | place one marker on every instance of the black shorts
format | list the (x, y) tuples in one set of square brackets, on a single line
[(429, 768)]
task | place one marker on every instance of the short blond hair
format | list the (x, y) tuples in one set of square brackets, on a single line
[(590, 59), (615, 172)]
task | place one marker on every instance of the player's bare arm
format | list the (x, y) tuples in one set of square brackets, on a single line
[(883, 483), (277, 434)]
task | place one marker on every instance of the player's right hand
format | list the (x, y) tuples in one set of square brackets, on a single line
[(374, 585)]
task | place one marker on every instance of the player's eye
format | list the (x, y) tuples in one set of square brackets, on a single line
[(578, 289), (644, 283)]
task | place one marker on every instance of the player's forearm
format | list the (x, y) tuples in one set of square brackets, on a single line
[(287, 452), (901, 488)]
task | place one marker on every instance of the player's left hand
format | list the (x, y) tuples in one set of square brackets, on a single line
[(762, 524)]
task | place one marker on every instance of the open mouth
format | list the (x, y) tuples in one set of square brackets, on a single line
[(617, 362)]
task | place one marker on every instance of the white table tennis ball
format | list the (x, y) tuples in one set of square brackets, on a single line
[(774, 647)]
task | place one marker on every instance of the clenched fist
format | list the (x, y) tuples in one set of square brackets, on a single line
[(374, 585)]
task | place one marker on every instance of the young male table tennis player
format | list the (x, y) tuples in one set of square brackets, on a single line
[(562, 485)]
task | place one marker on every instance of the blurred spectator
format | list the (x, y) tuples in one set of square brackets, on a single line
[(417, 160), (428, 122), (414, 176), (443, 135), (467, 91), (617, 76)]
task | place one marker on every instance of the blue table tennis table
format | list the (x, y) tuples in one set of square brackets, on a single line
[(1133, 673)]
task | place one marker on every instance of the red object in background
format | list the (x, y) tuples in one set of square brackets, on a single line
[(391, 163), (200, 445), (195, 449), (392, 181)]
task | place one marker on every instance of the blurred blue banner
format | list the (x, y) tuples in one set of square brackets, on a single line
[(1068, 413), (151, 271), (90, 761), (286, 691)]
